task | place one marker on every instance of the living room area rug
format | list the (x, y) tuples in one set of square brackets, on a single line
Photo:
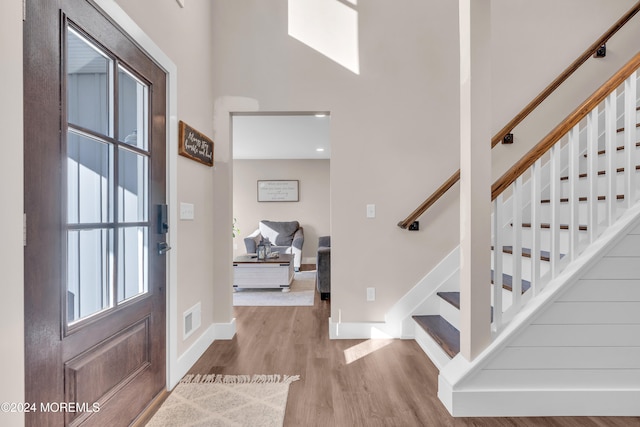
[(225, 401), (302, 292)]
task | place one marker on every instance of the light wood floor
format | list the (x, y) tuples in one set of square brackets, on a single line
[(348, 382)]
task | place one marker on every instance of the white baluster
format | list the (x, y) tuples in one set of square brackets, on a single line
[(574, 172), (498, 207), (535, 225), (592, 173), (630, 139), (610, 149), (516, 272), (554, 194)]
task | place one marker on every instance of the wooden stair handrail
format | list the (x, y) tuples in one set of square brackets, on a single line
[(526, 111), (431, 200), (565, 126), (565, 75)]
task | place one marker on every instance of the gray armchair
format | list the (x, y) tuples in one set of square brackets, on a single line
[(286, 237), (323, 274)]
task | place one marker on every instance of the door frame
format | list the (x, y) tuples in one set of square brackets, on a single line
[(120, 18)]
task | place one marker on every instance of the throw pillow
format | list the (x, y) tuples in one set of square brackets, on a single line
[(279, 233)]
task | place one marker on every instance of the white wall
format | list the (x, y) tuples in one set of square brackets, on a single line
[(312, 210), (11, 194), (394, 124)]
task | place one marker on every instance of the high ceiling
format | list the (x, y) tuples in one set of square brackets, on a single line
[(281, 136)]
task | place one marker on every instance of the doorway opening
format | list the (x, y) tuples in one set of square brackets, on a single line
[(281, 175)]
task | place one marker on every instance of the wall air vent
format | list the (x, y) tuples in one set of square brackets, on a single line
[(191, 320)]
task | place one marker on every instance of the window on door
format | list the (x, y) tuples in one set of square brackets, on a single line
[(107, 180)]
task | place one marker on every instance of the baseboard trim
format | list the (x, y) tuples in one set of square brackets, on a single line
[(216, 331), (398, 322), (536, 403), (361, 330), (225, 331)]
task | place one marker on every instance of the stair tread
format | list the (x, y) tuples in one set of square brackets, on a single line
[(582, 199), (526, 252), (620, 148), (507, 282), (546, 225), (602, 172), (443, 332), (452, 298)]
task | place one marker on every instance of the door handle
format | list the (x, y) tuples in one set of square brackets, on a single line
[(163, 248)]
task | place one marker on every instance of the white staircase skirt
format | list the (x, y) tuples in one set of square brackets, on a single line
[(573, 351)]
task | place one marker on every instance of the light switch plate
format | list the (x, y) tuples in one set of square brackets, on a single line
[(371, 294), (371, 211), (187, 211)]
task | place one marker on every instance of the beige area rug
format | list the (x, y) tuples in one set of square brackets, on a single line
[(302, 292), (226, 401)]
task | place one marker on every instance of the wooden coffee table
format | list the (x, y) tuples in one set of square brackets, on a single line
[(249, 272)]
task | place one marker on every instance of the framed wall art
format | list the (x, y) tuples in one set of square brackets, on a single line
[(278, 190)]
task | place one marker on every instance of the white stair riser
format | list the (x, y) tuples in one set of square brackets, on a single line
[(545, 239), (619, 160), (450, 313), (525, 266), (582, 187), (565, 211), (431, 348), (620, 135), (507, 299)]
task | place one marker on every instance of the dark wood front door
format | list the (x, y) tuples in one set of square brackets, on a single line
[(95, 128)]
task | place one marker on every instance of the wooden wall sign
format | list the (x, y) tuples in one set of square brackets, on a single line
[(194, 145)]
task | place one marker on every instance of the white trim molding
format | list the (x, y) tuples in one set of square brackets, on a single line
[(548, 403), (225, 331), (361, 330), (191, 355), (216, 331), (128, 25)]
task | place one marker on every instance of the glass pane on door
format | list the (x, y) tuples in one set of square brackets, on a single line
[(132, 110), (133, 261), (133, 186), (89, 180), (89, 83), (88, 272)]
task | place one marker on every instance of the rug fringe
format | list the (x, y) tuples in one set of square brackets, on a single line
[(239, 379)]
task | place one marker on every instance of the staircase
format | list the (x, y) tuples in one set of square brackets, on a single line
[(549, 220)]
